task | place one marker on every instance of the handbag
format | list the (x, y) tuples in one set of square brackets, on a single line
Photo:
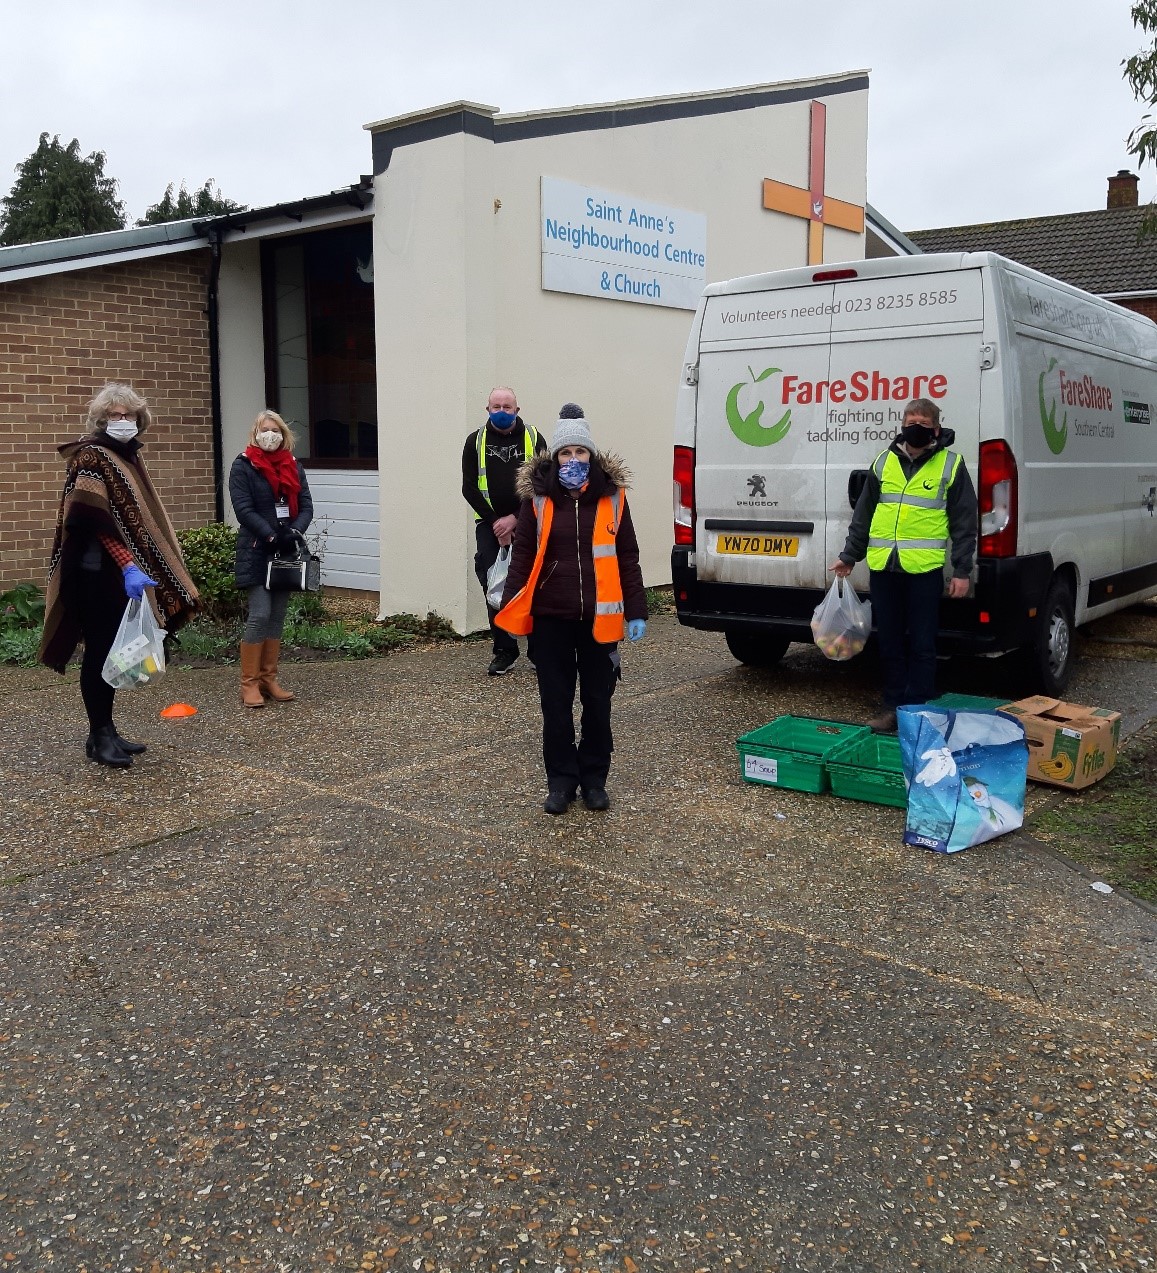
[(300, 573)]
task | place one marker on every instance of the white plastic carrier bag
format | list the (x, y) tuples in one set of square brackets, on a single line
[(138, 650), (842, 622), (496, 578)]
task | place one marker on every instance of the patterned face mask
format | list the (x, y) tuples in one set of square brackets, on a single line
[(269, 439), (574, 473)]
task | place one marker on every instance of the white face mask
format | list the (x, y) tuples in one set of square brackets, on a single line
[(122, 430), (269, 439)]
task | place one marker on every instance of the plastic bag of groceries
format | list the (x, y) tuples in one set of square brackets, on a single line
[(842, 622), (138, 650), (496, 578)]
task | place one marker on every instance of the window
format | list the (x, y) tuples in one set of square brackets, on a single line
[(320, 364)]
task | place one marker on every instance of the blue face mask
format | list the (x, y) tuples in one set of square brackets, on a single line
[(574, 473), (503, 419)]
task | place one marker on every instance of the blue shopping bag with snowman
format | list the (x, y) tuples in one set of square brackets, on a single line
[(965, 773)]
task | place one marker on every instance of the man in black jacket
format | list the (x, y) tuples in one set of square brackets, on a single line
[(491, 459)]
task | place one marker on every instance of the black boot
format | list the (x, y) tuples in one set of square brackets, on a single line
[(129, 748), (101, 746), (557, 802)]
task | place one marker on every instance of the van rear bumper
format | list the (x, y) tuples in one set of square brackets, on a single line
[(1000, 616)]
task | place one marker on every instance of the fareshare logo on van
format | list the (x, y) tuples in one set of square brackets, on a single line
[(860, 386), (1056, 438), (749, 428)]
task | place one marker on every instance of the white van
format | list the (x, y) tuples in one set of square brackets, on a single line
[(794, 381)]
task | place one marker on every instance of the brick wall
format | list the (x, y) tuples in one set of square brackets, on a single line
[(1146, 305), (62, 337)]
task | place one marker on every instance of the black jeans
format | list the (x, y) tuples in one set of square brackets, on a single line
[(565, 651), (484, 558), (101, 594), (906, 609)]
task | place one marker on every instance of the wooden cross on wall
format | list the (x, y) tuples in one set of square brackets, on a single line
[(812, 204)]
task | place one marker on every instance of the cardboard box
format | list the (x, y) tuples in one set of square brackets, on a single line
[(1068, 745)]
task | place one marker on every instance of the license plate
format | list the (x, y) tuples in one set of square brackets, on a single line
[(758, 545)]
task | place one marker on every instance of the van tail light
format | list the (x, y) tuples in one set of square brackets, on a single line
[(683, 492), (997, 496)]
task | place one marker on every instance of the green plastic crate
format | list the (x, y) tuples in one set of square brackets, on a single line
[(868, 768), (967, 703), (790, 751)]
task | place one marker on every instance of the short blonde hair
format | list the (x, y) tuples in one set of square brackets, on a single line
[(267, 419), (117, 397)]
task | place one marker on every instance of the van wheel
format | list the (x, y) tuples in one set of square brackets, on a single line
[(757, 649), (1051, 654)]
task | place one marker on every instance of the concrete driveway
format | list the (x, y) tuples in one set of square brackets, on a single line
[(321, 987)]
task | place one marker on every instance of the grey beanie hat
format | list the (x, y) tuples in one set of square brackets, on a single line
[(571, 430)]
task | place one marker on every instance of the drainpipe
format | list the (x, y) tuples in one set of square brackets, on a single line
[(215, 375)]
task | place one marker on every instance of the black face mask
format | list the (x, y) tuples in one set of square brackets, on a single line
[(917, 435)]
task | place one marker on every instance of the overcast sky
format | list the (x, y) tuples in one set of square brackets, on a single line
[(978, 111)]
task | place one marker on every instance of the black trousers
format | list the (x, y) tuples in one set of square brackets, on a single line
[(906, 609), (565, 651), (101, 594), (484, 558)]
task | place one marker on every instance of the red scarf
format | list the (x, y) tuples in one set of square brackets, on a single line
[(279, 469)]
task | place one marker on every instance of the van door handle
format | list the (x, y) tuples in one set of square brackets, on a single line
[(1148, 501)]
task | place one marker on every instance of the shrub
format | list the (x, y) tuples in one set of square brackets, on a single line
[(306, 605), (21, 607), (210, 552), (21, 619), (204, 639)]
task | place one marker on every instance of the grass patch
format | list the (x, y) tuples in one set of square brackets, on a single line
[(20, 646), (660, 600), (311, 628), (1111, 827)]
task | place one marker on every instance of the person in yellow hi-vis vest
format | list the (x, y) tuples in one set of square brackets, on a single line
[(575, 590), (916, 511), (491, 458)]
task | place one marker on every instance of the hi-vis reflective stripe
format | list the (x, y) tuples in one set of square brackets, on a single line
[(908, 543), (914, 501), (939, 500), (608, 607)]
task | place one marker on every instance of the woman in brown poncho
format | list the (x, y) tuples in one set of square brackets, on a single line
[(113, 540)]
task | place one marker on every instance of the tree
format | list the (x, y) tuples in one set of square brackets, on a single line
[(58, 194), (205, 202), (1141, 74)]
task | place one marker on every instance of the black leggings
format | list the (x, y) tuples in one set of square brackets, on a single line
[(102, 605), (564, 652)]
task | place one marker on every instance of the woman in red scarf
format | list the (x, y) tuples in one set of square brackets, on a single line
[(271, 500)]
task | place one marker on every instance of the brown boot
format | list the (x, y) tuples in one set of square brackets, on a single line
[(270, 654), (251, 674)]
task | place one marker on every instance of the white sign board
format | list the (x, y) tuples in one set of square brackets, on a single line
[(601, 243)]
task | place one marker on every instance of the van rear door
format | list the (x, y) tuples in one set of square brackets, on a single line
[(895, 338), (760, 485)]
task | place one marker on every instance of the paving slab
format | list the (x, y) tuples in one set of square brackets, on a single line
[(321, 986)]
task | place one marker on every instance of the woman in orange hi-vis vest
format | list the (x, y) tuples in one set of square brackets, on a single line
[(575, 590)]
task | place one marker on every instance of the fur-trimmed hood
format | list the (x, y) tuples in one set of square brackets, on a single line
[(540, 475)]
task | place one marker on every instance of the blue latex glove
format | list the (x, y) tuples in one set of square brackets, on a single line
[(636, 628), (136, 581)]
